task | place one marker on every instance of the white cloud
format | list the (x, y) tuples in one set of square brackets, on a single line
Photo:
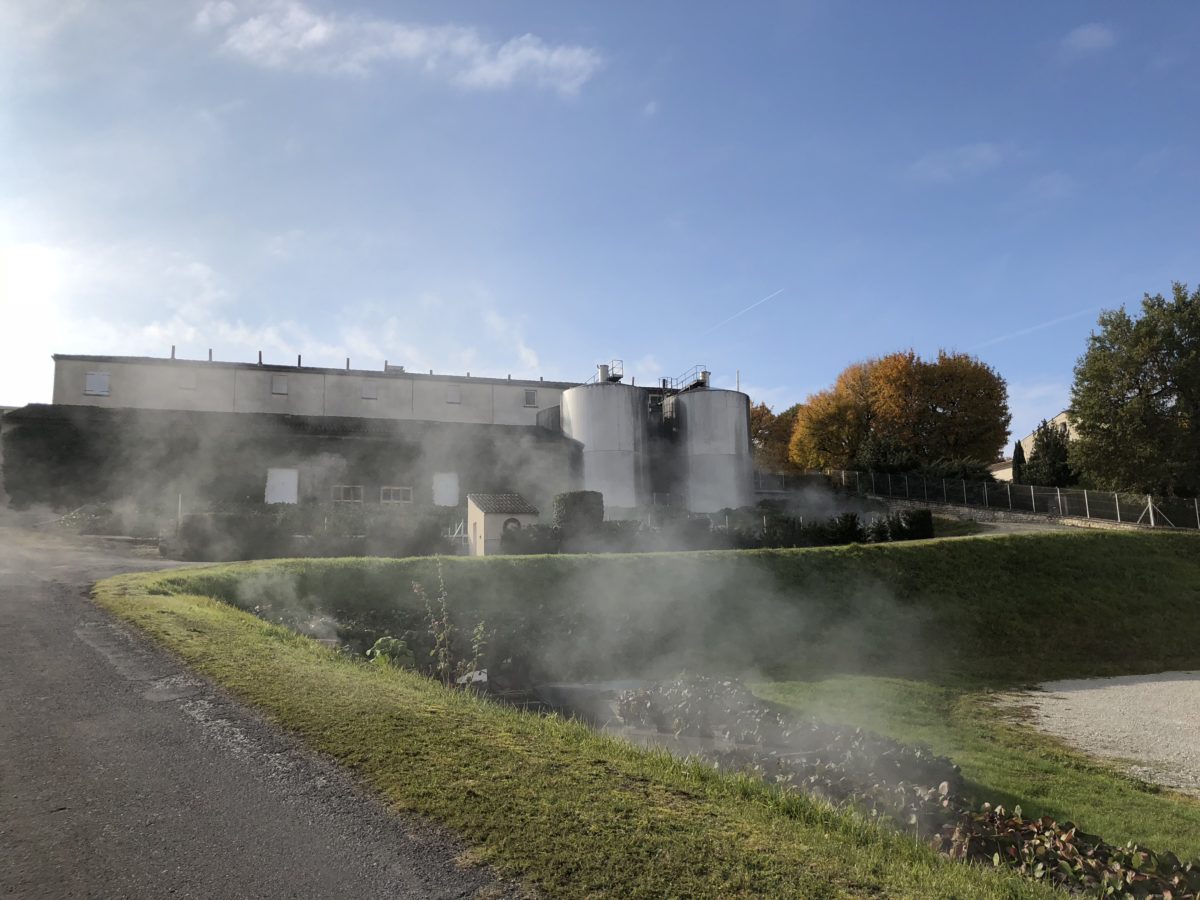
[(214, 15), (1086, 39), (511, 336), (957, 163), (1050, 186), (289, 35), (37, 22), (140, 299), (648, 367)]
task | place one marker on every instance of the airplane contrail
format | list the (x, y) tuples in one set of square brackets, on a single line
[(744, 311), (1032, 328)]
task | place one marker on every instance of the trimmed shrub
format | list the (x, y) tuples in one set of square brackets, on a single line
[(264, 532), (578, 512), (844, 529), (533, 539), (918, 525)]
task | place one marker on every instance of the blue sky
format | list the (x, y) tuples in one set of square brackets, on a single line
[(531, 188)]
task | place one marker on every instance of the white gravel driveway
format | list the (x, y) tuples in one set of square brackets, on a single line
[(1151, 722)]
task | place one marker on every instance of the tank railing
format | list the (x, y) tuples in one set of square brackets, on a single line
[(616, 371), (693, 376)]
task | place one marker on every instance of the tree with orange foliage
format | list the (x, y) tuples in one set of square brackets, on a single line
[(953, 407)]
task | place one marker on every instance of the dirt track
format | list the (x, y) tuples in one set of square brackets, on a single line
[(122, 775), (1151, 722)]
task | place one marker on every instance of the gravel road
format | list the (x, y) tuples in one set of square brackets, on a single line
[(1151, 722), (124, 775)]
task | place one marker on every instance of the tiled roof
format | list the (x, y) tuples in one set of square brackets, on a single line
[(506, 504)]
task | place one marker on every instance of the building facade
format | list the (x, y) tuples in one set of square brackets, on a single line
[(208, 433)]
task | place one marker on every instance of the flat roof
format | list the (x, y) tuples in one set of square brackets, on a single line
[(391, 371)]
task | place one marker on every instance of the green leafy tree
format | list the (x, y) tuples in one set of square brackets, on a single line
[(1136, 398), (770, 435), (1048, 463), (1018, 469)]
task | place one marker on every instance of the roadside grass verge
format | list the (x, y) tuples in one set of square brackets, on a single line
[(574, 813), (1004, 760)]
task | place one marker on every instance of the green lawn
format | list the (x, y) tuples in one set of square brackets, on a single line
[(573, 813), (1004, 760)]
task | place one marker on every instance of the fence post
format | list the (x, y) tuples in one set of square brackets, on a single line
[(1087, 507), (843, 477), (1058, 498), (985, 499), (906, 495), (1197, 502), (1150, 508), (945, 496), (1117, 500), (889, 484), (965, 503), (1032, 499), (873, 491), (858, 483), (1008, 490)]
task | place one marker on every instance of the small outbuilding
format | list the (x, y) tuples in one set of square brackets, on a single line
[(490, 515)]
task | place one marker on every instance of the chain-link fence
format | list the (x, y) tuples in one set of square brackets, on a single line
[(1139, 509)]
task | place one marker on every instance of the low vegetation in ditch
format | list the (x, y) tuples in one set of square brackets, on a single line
[(1004, 761), (905, 785)]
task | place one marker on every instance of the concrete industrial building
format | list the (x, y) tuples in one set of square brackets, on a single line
[(289, 434)]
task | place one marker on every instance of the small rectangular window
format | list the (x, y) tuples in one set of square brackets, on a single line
[(95, 384), (370, 390), (395, 494), (279, 384), (453, 394), (531, 398), (347, 493)]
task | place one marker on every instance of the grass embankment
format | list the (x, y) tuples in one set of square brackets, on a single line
[(998, 610), (574, 813), (577, 814)]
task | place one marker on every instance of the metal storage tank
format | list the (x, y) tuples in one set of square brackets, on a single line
[(714, 433), (610, 420)]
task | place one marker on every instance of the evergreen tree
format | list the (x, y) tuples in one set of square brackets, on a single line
[(1136, 398), (1018, 475), (1048, 465)]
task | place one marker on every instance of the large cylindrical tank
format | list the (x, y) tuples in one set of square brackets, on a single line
[(714, 435), (610, 420)]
